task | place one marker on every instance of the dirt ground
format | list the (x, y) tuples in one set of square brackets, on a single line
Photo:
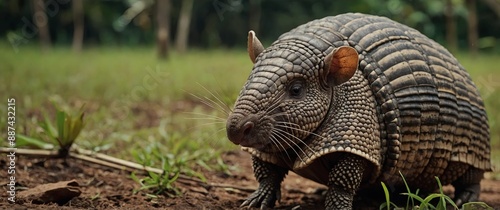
[(104, 188)]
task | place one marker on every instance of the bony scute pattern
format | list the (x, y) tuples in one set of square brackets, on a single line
[(350, 126), (353, 100)]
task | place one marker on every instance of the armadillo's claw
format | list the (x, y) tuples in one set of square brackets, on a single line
[(264, 196), (469, 193)]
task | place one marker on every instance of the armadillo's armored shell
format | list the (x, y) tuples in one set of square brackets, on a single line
[(430, 114), (430, 111)]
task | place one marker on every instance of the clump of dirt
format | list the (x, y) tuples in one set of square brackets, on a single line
[(105, 188)]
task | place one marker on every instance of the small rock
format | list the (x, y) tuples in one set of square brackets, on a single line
[(60, 193)]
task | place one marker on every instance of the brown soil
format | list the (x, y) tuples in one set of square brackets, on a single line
[(104, 188)]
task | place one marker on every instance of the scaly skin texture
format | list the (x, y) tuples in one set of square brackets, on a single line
[(343, 181), (270, 178), (409, 107)]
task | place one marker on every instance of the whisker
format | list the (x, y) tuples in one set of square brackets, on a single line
[(213, 123), (211, 103), (297, 138), (300, 148), (276, 142), (288, 123), (283, 125), (227, 108), (211, 137), (285, 140), (207, 117), (202, 114), (219, 95), (283, 134), (206, 124), (274, 104), (222, 129), (278, 114)]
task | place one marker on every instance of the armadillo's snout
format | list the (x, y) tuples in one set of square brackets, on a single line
[(239, 128)]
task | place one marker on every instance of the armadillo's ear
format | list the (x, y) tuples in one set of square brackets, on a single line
[(340, 65), (254, 47)]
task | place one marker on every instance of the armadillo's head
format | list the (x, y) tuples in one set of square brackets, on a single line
[(287, 94)]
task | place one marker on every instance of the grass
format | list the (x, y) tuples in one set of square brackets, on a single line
[(414, 201), (108, 75), (141, 109), (136, 107)]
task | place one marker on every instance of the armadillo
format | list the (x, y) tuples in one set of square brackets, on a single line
[(353, 100)]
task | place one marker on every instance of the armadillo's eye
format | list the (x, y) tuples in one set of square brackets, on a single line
[(296, 89)]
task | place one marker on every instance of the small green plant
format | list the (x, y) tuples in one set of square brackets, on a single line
[(64, 134), (410, 203), (171, 165), (68, 128), (387, 205), (476, 206), (159, 183), (414, 201), (177, 155)]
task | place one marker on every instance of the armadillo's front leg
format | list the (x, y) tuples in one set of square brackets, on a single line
[(270, 177), (343, 181)]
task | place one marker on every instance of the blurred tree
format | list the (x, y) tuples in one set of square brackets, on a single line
[(472, 26), (181, 39), (254, 15), (495, 5), (163, 27), (41, 21), (225, 23), (451, 26), (78, 24)]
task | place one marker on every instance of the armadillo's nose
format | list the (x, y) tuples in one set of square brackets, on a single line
[(239, 128)]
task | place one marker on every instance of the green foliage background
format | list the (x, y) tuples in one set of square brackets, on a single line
[(225, 23)]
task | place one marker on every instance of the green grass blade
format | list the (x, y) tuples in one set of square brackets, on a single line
[(428, 199), (387, 203), (409, 199), (60, 118), (441, 204), (439, 185), (413, 196), (444, 198), (76, 127), (134, 177), (67, 129), (173, 178), (48, 127), (451, 202), (476, 206), (25, 141)]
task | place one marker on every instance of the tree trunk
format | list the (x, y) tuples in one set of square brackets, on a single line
[(163, 20), (494, 5), (451, 27), (42, 23), (181, 39), (254, 15), (78, 21), (472, 26)]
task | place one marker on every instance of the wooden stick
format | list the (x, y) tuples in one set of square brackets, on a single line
[(117, 161), (31, 152)]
